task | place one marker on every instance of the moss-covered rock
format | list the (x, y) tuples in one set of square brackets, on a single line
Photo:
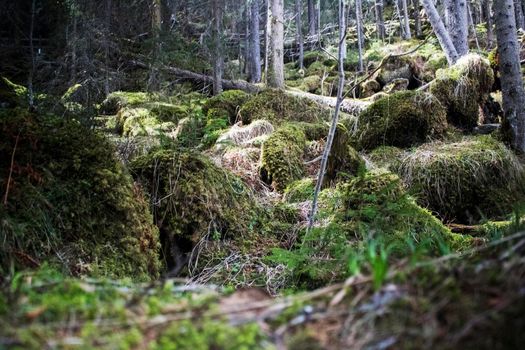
[(119, 99), (375, 206), (278, 107), (387, 157), (370, 87), (395, 68), (193, 199), (465, 181), (282, 157), (299, 191), (462, 88), (141, 122), (71, 202), (313, 56), (403, 119), (344, 160), (11, 94), (229, 101)]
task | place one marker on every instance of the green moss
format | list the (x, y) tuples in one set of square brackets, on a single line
[(403, 119), (375, 206), (141, 122), (312, 57), (344, 160), (465, 181), (119, 99), (229, 101), (71, 201), (279, 107), (299, 191), (282, 157), (462, 88), (11, 94), (316, 69), (192, 198)]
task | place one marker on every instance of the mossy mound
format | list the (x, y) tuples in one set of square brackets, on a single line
[(282, 157), (299, 191), (229, 101), (403, 119), (462, 88), (344, 161), (376, 207), (119, 99), (465, 181), (71, 202), (193, 199), (278, 107), (140, 122), (11, 94), (387, 157)]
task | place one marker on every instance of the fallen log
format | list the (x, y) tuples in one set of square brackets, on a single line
[(350, 106)]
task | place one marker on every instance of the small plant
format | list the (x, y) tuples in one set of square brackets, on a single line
[(377, 257)]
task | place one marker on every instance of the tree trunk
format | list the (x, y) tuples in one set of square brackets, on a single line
[(299, 24), (406, 22), (417, 19), (312, 18), (335, 119), (255, 48), (156, 27), (490, 24), (457, 24), (520, 20), (276, 64), (342, 9), (360, 41), (380, 21), (441, 32), (510, 70), (217, 47), (107, 24)]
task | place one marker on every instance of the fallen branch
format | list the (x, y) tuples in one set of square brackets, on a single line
[(11, 169)]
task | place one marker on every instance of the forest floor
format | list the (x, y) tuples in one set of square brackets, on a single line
[(175, 220)]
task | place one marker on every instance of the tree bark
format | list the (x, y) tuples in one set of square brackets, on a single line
[(312, 18), (490, 24), (156, 27), (255, 48), (217, 47), (441, 32), (360, 41), (417, 19), (299, 24), (520, 20), (510, 70), (276, 64), (406, 22), (457, 24), (380, 21)]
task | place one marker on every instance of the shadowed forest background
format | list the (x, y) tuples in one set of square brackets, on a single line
[(262, 174)]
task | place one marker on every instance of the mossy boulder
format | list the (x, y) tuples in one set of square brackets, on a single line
[(279, 107), (230, 101), (193, 199), (369, 87), (282, 157), (344, 161), (299, 191), (141, 122), (403, 119), (387, 157), (119, 99), (375, 206), (71, 202), (465, 181), (463, 88), (395, 68), (11, 94), (313, 56)]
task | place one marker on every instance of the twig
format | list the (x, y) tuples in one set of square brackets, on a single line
[(11, 169)]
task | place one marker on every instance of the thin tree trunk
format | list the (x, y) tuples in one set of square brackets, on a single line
[(73, 45), (360, 41), (342, 9), (380, 21), (32, 52), (490, 24), (400, 17), (255, 48), (406, 22), (299, 24), (441, 32), (276, 65), (510, 70), (156, 27), (472, 26), (417, 19), (217, 47), (267, 30), (335, 119), (312, 18), (109, 6)]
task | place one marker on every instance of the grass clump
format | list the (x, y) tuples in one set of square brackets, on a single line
[(466, 181), (282, 157), (279, 107), (462, 88), (402, 119), (71, 202)]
